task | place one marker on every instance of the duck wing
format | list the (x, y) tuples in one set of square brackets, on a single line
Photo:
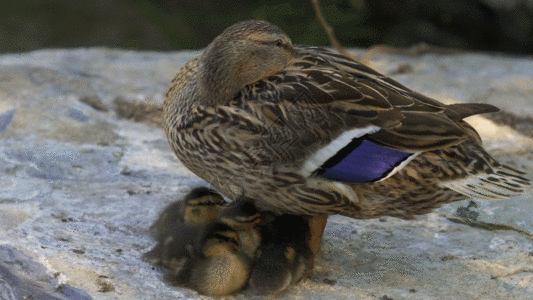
[(322, 96), (407, 120), (338, 119)]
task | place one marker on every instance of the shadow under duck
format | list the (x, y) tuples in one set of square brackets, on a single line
[(304, 130)]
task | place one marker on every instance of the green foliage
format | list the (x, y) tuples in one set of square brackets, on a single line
[(297, 18), (192, 24), (197, 22)]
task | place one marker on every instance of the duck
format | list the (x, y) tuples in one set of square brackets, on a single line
[(222, 267), (214, 267), (206, 245), (285, 255), (280, 249), (179, 224), (306, 131), (199, 206)]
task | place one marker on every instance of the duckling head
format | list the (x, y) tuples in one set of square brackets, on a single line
[(221, 269), (272, 271), (241, 215), (201, 206), (243, 54)]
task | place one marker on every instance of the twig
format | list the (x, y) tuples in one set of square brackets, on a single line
[(515, 271), (415, 50), (487, 226), (331, 35)]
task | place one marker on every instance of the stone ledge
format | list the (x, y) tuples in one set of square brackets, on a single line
[(79, 186)]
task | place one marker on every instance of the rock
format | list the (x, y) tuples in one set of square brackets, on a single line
[(22, 278), (85, 169), (6, 118)]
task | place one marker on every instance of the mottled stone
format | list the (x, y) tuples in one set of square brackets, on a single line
[(81, 181)]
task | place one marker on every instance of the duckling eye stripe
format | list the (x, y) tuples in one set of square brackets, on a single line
[(326, 152), (363, 161)]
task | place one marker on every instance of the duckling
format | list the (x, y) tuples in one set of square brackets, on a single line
[(219, 268), (174, 249), (179, 225), (280, 247), (199, 206), (243, 221), (215, 256), (244, 218), (226, 249), (222, 268), (306, 131), (285, 255), (212, 255)]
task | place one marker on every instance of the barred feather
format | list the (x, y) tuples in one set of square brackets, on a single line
[(292, 126)]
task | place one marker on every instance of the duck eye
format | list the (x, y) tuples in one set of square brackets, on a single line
[(278, 43)]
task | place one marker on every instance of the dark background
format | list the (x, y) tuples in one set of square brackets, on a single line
[(484, 25)]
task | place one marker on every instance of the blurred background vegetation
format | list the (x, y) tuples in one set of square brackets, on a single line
[(485, 25)]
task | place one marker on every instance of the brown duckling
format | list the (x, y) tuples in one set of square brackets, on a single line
[(178, 227), (200, 205), (224, 246), (285, 255), (222, 268), (213, 256), (214, 267)]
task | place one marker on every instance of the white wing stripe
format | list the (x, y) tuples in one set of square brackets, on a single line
[(326, 152)]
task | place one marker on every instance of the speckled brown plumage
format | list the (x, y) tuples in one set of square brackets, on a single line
[(254, 114)]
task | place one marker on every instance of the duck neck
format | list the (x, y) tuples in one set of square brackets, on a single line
[(219, 81)]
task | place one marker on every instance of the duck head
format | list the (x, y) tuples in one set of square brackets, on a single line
[(243, 54)]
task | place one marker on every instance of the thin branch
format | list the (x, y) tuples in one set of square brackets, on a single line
[(512, 272), (415, 50), (331, 35), (487, 226)]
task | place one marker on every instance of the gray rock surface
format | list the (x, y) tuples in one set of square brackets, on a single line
[(79, 186)]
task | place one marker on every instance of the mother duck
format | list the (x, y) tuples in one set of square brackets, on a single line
[(303, 130)]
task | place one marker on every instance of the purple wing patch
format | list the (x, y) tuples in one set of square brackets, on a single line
[(361, 161)]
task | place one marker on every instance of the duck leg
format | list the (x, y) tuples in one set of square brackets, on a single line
[(317, 224)]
